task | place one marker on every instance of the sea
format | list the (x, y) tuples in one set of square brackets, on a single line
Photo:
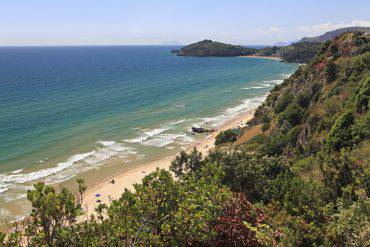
[(90, 111)]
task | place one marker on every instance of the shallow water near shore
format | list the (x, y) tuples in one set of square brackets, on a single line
[(93, 111)]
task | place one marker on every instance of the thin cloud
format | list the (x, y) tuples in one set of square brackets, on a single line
[(271, 30), (329, 26)]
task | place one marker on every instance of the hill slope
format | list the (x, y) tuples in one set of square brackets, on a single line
[(331, 34), (299, 52), (297, 175), (209, 48)]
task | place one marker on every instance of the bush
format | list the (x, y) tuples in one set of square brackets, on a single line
[(340, 135), (185, 163), (332, 106), (303, 100), (248, 173), (229, 135), (283, 103), (293, 115), (330, 71), (241, 224)]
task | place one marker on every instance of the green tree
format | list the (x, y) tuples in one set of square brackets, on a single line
[(184, 163)]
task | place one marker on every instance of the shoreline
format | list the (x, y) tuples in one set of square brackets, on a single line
[(126, 179), (265, 57)]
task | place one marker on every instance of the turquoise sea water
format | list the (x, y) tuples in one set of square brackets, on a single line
[(68, 110)]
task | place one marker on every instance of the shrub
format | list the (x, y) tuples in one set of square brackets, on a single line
[(330, 71), (293, 135), (303, 100), (229, 135), (248, 173), (185, 163), (293, 115), (241, 224), (340, 135), (332, 106), (284, 101)]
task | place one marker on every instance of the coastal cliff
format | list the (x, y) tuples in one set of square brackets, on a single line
[(296, 175)]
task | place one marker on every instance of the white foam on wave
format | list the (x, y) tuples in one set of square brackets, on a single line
[(3, 190), (285, 75), (106, 143), (146, 135), (23, 178), (162, 140), (262, 85), (266, 84), (108, 150), (230, 113), (274, 82), (178, 122), (62, 171), (180, 106), (17, 171)]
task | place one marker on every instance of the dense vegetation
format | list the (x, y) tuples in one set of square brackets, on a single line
[(299, 52), (209, 48), (301, 179)]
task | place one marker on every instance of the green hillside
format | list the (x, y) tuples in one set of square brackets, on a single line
[(209, 48), (299, 52), (332, 34), (297, 175)]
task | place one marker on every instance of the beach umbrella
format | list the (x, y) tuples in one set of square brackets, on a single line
[(97, 195)]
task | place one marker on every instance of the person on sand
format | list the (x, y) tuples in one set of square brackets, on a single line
[(112, 181)]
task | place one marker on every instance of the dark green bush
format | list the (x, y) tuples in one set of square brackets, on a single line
[(340, 135), (293, 115), (330, 71), (303, 100), (284, 101), (229, 135)]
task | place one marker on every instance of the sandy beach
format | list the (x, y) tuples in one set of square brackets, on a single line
[(127, 179), (266, 57)]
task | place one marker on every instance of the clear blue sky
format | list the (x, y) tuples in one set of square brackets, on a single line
[(92, 22)]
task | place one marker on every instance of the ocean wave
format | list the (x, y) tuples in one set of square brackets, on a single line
[(180, 106), (274, 82), (230, 113), (262, 85), (146, 135), (106, 143), (63, 171), (23, 178), (265, 84), (178, 122), (110, 149), (17, 171), (285, 75), (162, 140), (3, 190)]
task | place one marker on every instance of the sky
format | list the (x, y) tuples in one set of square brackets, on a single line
[(153, 22)]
